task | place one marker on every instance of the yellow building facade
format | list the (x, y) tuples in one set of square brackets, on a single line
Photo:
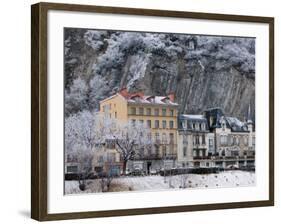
[(159, 113)]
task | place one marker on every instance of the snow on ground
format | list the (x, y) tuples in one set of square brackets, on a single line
[(223, 179)]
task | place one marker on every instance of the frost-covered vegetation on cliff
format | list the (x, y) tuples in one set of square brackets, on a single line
[(203, 71)]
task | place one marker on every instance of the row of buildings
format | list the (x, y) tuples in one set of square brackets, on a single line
[(210, 139)]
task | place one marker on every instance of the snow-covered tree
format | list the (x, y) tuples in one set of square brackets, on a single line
[(76, 97), (98, 88), (131, 138), (80, 138)]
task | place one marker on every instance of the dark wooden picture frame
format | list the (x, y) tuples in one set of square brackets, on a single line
[(39, 121)]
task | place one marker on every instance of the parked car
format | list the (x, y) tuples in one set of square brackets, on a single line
[(137, 172)]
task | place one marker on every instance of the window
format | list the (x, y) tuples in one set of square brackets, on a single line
[(156, 112), (183, 124), (157, 150), (115, 114), (237, 140), (141, 122), (110, 157), (171, 138), (72, 169), (204, 152), (184, 151), (234, 153), (141, 111), (223, 125), (171, 113), (203, 127), (245, 140), (164, 138), (148, 122), (163, 112), (194, 153), (223, 139), (211, 121), (157, 137), (148, 111), (156, 124), (211, 142), (193, 125), (100, 159), (171, 124), (203, 140), (133, 122), (133, 110), (231, 140), (110, 144), (164, 150), (164, 124), (185, 139), (197, 139)]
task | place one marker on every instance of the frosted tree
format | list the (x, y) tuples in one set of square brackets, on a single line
[(76, 97), (131, 138), (98, 88), (80, 138)]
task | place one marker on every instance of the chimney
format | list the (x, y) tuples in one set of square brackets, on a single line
[(124, 92), (172, 97)]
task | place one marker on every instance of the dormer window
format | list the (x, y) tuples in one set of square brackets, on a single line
[(151, 99), (197, 126), (183, 124), (165, 100), (203, 127), (223, 124), (136, 98)]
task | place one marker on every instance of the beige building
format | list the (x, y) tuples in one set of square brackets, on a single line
[(159, 113), (107, 159)]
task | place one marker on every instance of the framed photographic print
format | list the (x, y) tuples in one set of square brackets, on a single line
[(140, 111)]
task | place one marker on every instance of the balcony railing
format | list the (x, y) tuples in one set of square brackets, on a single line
[(156, 157), (201, 157)]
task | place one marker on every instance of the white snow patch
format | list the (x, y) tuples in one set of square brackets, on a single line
[(148, 183)]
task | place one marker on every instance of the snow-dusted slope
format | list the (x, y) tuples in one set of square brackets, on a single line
[(219, 72)]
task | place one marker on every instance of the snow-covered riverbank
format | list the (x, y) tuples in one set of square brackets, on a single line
[(189, 181)]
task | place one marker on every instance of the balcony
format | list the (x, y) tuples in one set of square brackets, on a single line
[(156, 157), (201, 157)]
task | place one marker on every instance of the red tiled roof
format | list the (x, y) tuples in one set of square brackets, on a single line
[(130, 96)]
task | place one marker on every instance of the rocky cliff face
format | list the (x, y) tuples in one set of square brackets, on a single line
[(202, 71)]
